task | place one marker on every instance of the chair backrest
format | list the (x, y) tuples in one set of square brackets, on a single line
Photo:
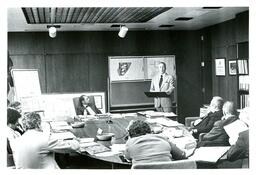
[(77, 102), (178, 164)]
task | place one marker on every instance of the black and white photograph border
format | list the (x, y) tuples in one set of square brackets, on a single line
[(131, 3)]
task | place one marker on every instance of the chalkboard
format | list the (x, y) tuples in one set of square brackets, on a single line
[(127, 90), (130, 93)]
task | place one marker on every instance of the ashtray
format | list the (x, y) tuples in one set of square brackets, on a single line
[(105, 136), (77, 124)]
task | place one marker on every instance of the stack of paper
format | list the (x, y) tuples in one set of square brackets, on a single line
[(209, 154)]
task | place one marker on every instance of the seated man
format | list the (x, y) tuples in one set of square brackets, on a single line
[(240, 149), (34, 149), (214, 114), (218, 136), (87, 108), (144, 147)]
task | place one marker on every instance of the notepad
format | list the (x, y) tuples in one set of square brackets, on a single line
[(209, 154)]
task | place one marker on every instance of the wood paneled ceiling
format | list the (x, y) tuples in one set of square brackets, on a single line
[(33, 19), (91, 15)]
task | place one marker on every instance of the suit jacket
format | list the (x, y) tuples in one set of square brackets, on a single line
[(81, 109), (241, 148), (34, 150), (151, 148), (207, 122), (217, 136), (167, 86)]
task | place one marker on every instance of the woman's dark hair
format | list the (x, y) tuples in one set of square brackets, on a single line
[(12, 116), (138, 128)]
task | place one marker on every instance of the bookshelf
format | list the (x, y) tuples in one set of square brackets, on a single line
[(243, 74)]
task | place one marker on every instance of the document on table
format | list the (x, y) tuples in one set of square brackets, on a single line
[(164, 122), (118, 147), (93, 148), (209, 154)]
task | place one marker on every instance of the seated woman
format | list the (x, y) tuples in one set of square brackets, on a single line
[(12, 122), (86, 107), (144, 147), (17, 106), (34, 149)]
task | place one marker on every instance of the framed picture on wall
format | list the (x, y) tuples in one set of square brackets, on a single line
[(232, 67), (220, 67)]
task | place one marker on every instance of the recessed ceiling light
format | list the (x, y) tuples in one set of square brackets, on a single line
[(166, 25), (183, 19), (211, 8), (115, 25)]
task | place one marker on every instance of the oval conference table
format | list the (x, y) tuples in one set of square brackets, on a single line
[(117, 126)]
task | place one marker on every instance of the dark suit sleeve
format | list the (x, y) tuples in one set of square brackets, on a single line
[(80, 110), (241, 148), (205, 126), (207, 123)]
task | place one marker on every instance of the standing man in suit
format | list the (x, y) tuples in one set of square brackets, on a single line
[(163, 82)]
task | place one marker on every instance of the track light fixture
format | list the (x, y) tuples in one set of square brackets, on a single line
[(53, 30), (123, 31)]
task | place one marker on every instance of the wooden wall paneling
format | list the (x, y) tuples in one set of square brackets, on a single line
[(67, 73), (243, 50), (31, 62), (231, 81), (189, 78), (207, 69), (65, 43), (219, 81), (242, 27), (98, 72), (26, 43)]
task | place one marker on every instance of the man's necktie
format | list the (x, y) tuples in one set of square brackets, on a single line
[(161, 81)]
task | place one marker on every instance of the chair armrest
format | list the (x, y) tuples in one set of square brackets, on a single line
[(201, 135), (189, 120)]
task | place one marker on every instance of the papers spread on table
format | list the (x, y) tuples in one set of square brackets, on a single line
[(62, 135), (209, 154), (152, 114), (118, 148), (60, 125), (93, 148), (233, 129), (164, 122)]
